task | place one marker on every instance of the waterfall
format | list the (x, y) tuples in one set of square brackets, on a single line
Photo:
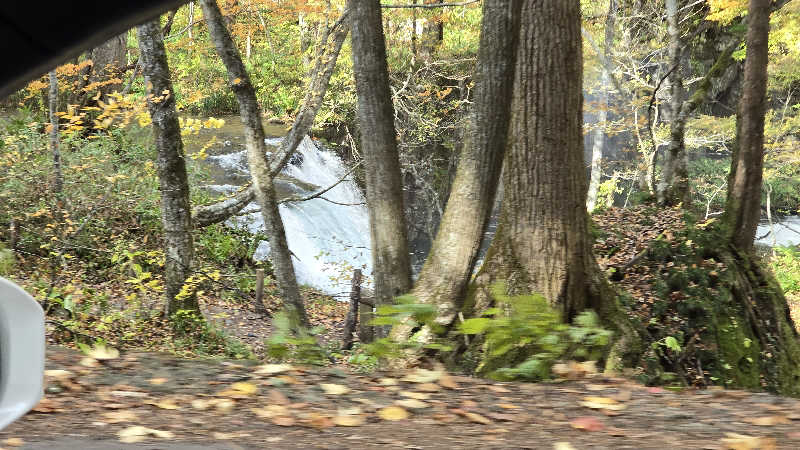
[(328, 239)]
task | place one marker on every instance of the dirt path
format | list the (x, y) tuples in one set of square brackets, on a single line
[(198, 404)]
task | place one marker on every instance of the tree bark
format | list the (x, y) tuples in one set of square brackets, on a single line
[(107, 60), (257, 160), (743, 207), (171, 164), (390, 253), (58, 176), (602, 116), (542, 243), (674, 186), (452, 258)]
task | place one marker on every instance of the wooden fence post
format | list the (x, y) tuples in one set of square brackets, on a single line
[(352, 313)]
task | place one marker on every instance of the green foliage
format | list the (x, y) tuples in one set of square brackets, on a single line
[(7, 261), (524, 336), (197, 335), (290, 342), (606, 192), (786, 266)]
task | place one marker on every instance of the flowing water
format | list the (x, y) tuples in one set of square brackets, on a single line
[(785, 232), (329, 236)]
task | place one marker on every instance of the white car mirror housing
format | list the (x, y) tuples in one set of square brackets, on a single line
[(21, 352)]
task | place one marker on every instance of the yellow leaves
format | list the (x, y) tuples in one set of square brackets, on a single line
[(273, 369), (334, 389), (768, 421), (724, 11), (602, 403), (424, 376), (143, 118), (241, 389), (14, 442), (392, 413), (734, 441), (132, 435)]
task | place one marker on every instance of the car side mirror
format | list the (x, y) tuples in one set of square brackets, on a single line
[(21, 352)]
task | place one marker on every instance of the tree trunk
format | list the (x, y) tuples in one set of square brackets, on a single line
[(107, 60), (390, 253), (743, 207), (431, 35), (174, 183), (542, 242), (452, 258), (674, 186), (257, 160), (602, 116), (58, 176)]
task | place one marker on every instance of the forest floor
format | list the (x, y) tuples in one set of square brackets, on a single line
[(159, 400), (156, 399)]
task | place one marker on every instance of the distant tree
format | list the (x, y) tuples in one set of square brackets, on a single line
[(58, 176), (171, 165), (390, 252), (743, 207), (107, 61)]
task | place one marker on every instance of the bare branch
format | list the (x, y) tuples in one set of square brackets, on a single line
[(320, 193)]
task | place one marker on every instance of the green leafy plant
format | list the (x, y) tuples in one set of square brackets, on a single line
[(290, 342), (524, 336)]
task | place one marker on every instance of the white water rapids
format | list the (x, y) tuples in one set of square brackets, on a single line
[(328, 239)]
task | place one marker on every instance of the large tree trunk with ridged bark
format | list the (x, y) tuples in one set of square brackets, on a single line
[(447, 270), (258, 163), (542, 244), (171, 163), (390, 253)]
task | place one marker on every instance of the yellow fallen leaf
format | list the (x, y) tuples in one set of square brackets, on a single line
[(14, 442), (424, 376), (132, 435), (270, 411), (415, 395), (768, 421), (734, 441), (58, 374), (89, 362), (223, 405), (157, 381), (349, 421), (393, 413), (283, 421), (387, 382), (273, 369), (245, 387), (477, 418), (412, 403), (166, 404), (563, 446), (507, 406), (103, 352), (602, 403), (201, 404), (334, 389), (446, 381), (120, 416)]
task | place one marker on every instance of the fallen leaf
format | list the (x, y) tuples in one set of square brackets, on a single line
[(477, 418), (271, 411), (157, 381), (320, 421), (768, 421), (349, 420), (14, 442), (415, 395), (334, 389), (283, 421), (497, 389), (387, 382), (734, 441), (447, 381), (602, 403), (134, 434), (412, 403), (277, 397), (563, 446), (393, 413), (587, 423), (423, 376), (507, 406), (273, 369), (120, 416), (89, 362), (429, 387), (102, 352)]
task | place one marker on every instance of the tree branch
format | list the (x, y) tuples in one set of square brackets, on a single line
[(431, 5)]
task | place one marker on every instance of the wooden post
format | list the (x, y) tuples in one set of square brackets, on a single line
[(259, 307), (352, 314), (14, 235)]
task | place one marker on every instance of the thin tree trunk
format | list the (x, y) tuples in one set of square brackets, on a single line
[(191, 20), (58, 176), (320, 80), (257, 160), (674, 186), (743, 207), (174, 184), (602, 116), (390, 253), (452, 258), (107, 60)]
